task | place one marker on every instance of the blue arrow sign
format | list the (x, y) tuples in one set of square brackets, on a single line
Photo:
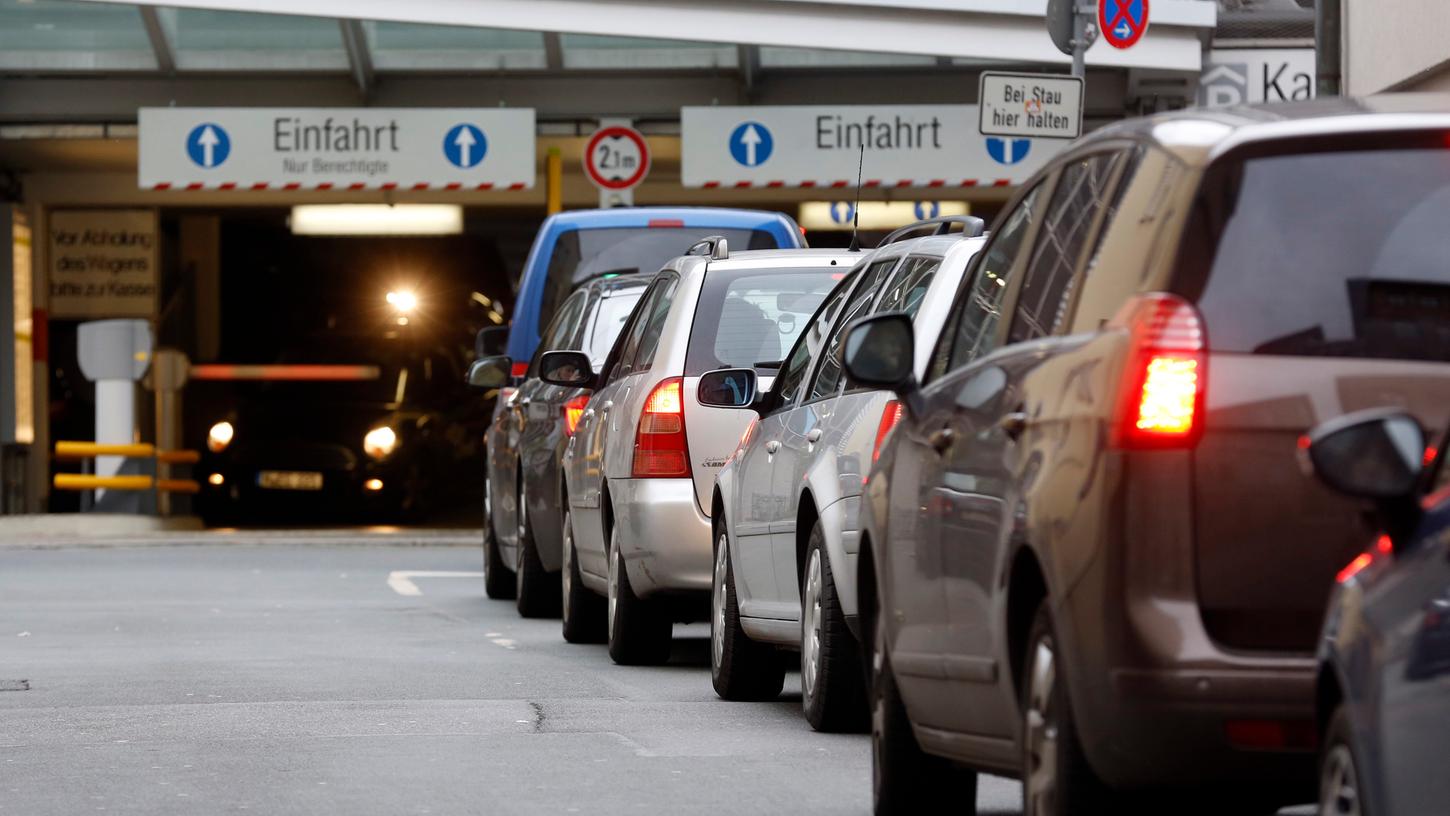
[(465, 145), (842, 212), (1004, 152), (927, 209), (208, 145), (751, 144)]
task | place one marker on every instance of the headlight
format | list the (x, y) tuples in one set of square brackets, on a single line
[(219, 437), (380, 442)]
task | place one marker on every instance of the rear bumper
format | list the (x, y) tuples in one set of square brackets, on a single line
[(663, 535)]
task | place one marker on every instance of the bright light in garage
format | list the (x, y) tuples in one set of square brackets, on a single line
[(403, 300), (376, 219)]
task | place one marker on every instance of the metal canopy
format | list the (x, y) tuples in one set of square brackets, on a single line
[(367, 37)]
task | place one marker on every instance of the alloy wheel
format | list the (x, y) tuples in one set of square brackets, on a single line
[(1339, 784), (1040, 732), (878, 701), (567, 579), (614, 567), (487, 524), (811, 628), (717, 604)]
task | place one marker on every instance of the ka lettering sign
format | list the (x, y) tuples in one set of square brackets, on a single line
[(337, 148), (1043, 106), (1242, 76), (821, 145)]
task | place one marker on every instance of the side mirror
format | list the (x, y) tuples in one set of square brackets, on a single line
[(1376, 454), (567, 368), (489, 372), (728, 388), (880, 350), (491, 342)]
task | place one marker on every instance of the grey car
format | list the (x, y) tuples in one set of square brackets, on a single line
[(786, 504), (526, 441), (1089, 557), (1384, 659), (641, 466)]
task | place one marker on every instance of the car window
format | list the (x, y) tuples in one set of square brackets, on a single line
[(629, 343), (751, 317), (979, 304), (610, 314), (652, 325), (789, 384), (828, 373), (908, 286), (1081, 193), (562, 330)]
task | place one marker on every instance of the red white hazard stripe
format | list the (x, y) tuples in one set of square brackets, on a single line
[(868, 183), (321, 373), (327, 185)]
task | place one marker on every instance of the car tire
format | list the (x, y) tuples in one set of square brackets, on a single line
[(498, 579), (582, 611), (740, 669), (1341, 791), (904, 778), (639, 631), (1056, 777), (832, 692), (537, 591)]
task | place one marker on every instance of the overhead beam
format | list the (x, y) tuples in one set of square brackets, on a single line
[(1009, 30), (553, 51), (160, 41), (359, 58)]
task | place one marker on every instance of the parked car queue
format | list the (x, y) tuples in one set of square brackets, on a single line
[(1043, 503)]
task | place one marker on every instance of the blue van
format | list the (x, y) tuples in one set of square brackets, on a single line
[(577, 246)]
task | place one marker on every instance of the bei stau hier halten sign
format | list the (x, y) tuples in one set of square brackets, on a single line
[(103, 263)]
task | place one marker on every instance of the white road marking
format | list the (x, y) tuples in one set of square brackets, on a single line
[(401, 581)]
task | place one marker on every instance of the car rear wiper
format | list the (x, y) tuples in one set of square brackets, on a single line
[(771, 364)]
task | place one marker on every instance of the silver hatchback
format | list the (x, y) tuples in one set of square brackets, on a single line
[(785, 506), (641, 466)]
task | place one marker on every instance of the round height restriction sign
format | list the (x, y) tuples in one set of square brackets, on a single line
[(616, 158)]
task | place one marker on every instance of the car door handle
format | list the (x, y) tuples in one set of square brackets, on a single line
[(1013, 424), (604, 409), (814, 435), (941, 439), (772, 446)]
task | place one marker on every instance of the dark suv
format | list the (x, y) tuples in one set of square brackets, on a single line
[(1089, 557)]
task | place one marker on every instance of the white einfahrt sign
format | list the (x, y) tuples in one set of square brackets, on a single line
[(1242, 76), (103, 263), (337, 148), (1044, 106), (820, 146)]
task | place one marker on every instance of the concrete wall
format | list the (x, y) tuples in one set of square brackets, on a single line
[(1396, 45)]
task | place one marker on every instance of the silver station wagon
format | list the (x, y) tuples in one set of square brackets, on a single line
[(641, 465), (785, 507)]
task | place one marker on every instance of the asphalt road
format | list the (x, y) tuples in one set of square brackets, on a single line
[(245, 672)]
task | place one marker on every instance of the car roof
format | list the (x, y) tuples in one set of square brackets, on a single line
[(724, 217), (617, 282), (1198, 135)]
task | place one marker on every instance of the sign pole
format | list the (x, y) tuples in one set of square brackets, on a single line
[(1080, 40)]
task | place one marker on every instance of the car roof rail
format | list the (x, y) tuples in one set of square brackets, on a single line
[(714, 247), (972, 227)]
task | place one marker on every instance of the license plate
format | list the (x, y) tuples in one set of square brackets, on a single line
[(289, 480)]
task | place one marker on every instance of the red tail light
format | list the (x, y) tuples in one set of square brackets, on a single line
[(573, 410), (1167, 373), (890, 415), (1383, 547), (659, 444), (666, 222), (519, 368)]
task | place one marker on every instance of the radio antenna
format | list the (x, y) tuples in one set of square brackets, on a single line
[(856, 210)]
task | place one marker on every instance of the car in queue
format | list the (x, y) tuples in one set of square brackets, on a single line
[(640, 468), (574, 247), (348, 426), (1384, 657), (785, 506), (1089, 558), (525, 443)]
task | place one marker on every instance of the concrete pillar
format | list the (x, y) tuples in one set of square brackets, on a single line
[(201, 266)]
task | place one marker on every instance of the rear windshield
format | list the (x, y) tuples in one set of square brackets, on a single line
[(608, 322), (751, 317), (582, 254), (1338, 253)]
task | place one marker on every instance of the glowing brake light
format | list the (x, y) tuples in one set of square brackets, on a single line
[(1165, 379), (520, 368), (890, 415), (1383, 547), (573, 411), (659, 443)]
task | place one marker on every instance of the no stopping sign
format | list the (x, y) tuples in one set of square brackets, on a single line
[(616, 158)]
